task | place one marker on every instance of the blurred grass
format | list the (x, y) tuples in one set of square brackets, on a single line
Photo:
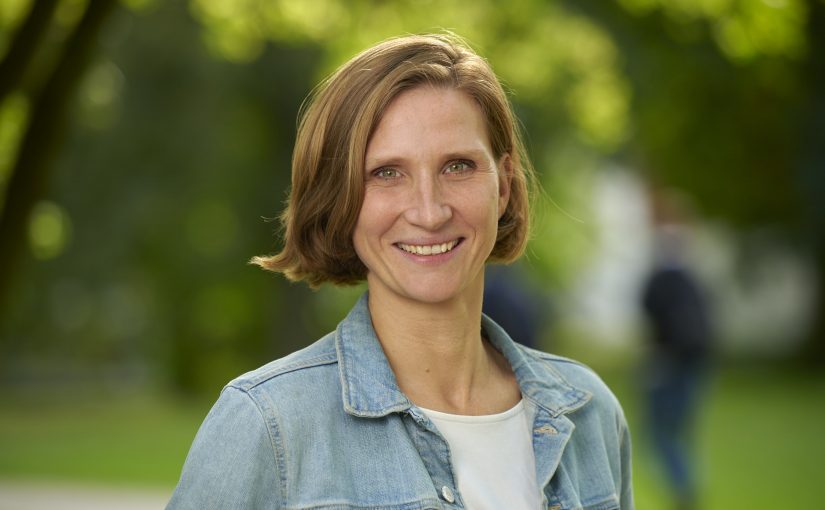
[(118, 439), (760, 437)]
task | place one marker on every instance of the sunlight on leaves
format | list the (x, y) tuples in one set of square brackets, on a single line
[(743, 30), (49, 230), (599, 108), (775, 28), (542, 51), (14, 114), (11, 12), (233, 28), (100, 92), (317, 20), (639, 7), (69, 12), (139, 5)]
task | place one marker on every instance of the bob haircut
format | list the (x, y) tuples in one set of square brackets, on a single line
[(335, 127)]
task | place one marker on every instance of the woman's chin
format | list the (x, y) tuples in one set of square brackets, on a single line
[(428, 291)]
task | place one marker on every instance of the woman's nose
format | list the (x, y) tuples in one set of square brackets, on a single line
[(428, 208)]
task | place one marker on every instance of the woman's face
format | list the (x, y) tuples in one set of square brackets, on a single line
[(433, 196)]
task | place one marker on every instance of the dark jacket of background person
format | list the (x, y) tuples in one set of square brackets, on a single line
[(678, 315), (513, 305)]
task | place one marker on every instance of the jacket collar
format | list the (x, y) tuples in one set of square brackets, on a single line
[(370, 390)]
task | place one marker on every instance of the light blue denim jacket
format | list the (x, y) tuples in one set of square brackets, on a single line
[(328, 428)]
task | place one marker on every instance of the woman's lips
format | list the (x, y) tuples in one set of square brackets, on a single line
[(429, 249)]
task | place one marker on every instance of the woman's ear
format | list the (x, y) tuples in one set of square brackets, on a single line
[(505, 177)]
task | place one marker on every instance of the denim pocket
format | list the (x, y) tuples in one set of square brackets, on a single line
[(610, 503), (423, 505)]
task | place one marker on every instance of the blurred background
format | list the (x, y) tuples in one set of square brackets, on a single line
[(145, 148)]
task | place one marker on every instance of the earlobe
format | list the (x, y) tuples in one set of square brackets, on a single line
[(505, 178)]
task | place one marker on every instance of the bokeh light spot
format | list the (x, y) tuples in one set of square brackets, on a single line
[(49, 230)]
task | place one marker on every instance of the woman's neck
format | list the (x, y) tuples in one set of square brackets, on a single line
[(438, 355)]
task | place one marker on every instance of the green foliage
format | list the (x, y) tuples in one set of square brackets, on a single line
[(164, 180), (181, 137), (11, 12), (743, 30), (13, 117), (559, 54)]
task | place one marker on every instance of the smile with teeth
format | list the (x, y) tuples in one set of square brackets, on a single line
[(428, 249)]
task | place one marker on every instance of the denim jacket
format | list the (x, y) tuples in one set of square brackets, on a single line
[(328, 428)]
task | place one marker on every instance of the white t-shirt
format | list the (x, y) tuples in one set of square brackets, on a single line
[(492, 458)]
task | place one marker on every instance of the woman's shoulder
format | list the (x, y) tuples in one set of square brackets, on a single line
[(292, 368)]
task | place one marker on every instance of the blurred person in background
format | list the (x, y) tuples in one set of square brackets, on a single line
[(514, 305), (409, 172), (681, 335)]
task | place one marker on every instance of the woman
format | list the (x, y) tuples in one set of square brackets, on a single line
[(408, 172)]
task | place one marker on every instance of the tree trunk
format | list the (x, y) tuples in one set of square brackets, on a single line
[(29, 173), (24, 46)]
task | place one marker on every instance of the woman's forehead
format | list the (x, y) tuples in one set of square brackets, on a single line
[(436, 117)]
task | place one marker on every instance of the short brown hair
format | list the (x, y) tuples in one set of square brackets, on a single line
[(334, 129)]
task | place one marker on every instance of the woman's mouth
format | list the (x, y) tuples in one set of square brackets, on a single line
[(428, 249)]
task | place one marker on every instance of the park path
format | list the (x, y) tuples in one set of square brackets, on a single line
[(16, 495)]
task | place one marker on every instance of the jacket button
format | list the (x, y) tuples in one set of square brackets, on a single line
[(447, 494)]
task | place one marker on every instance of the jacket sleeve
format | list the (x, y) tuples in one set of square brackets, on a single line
[(626, 489), (233, 461)]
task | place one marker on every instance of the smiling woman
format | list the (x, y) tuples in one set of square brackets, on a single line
[(408, 172), (433, 195)]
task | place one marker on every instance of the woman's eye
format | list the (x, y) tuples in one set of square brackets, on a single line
[(458, 167), (386, 173)]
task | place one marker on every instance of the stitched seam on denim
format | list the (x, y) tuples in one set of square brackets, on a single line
[(278, 454), (583, 396), (347, 385), (427, 504), (246, 384), (548, 360), (611, 503)]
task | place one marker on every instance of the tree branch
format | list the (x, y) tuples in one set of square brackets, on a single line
[(27, 182), (24, 45)]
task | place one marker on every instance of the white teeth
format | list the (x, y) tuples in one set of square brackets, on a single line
[(430, 249)]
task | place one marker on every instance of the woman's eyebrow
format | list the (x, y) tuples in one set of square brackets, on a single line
[(472, 153), (390, 160), (380, 161)]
